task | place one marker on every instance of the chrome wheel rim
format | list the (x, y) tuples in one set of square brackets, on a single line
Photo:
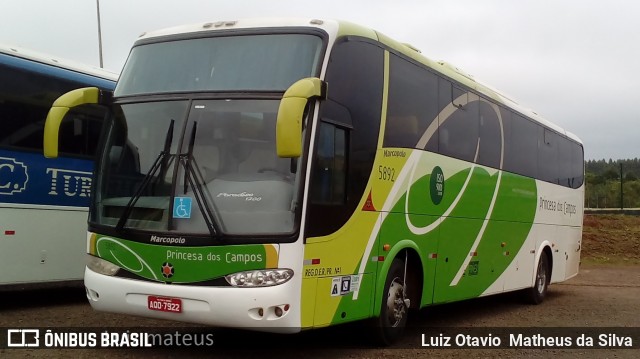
[(542, 277), (396, 308)]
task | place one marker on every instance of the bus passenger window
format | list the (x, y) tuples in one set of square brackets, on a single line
[(401, 130), (412, 105)]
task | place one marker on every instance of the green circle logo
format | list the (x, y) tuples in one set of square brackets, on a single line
[(437, 185)]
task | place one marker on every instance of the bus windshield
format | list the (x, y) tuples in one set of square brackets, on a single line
[(201, 167), (270, 62)]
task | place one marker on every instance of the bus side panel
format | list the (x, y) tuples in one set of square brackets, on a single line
[(41, 245), (330, 273), (338, 291), (463, 270), (483, 234), (559, 217), (550, 233), (575, 233), (43, 217), (455, 255), (27, 178), (519, 274), (395, 229), (565, 242), (574, 247), (308, 302)]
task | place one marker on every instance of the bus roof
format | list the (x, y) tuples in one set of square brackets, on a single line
[(337, 28), (57, 62)]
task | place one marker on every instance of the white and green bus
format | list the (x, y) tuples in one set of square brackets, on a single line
[(282, 175)]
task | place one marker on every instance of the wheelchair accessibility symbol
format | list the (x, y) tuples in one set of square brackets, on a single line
[(182, 207)]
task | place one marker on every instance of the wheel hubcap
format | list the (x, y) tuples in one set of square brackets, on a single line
[(542, 278), (396, 308)]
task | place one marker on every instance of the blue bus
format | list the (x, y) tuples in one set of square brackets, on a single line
[(44, 202)]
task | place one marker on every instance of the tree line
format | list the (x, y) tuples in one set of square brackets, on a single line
[(603, 183)]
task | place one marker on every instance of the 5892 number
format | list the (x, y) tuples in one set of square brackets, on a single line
[(386, 173)]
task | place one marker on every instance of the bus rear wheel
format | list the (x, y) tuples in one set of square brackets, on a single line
[(537, 293), (390, 325)]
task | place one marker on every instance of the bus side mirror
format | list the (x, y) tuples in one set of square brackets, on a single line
[(82, 96), (291, 113)]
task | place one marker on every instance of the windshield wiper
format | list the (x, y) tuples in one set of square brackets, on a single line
[(162, 161), (194, 178), (189, 157)]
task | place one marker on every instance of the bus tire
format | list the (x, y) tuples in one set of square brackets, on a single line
[(389, 326), (537, 293)]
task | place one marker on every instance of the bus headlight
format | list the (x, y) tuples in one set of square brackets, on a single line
[(259, 278), (101, 266)]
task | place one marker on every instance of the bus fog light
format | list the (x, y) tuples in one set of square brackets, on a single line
[(101, 266), (278, 312), (259, 278)]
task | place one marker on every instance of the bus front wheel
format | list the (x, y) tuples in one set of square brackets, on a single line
[(394, 306)]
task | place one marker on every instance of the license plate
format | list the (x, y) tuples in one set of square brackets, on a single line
[(164, 304)]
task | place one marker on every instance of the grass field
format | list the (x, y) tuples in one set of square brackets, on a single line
[(611, 238)]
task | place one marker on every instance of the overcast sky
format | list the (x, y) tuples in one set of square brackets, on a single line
[(575, 62)]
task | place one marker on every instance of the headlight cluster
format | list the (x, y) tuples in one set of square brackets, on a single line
[(259, 278), (101, 266)]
